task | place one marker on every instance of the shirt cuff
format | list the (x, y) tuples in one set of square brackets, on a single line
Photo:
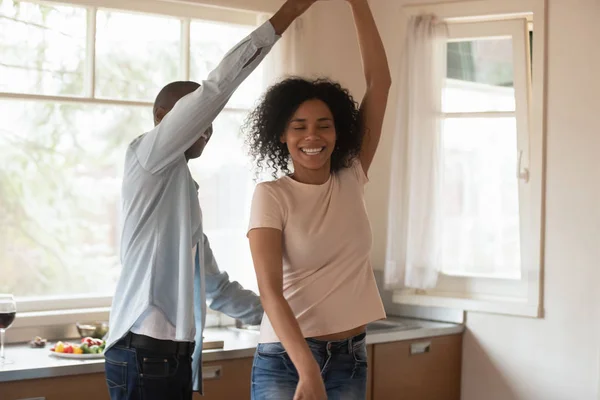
[(265, 35)]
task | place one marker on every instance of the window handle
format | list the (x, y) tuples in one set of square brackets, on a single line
[(522, 173)]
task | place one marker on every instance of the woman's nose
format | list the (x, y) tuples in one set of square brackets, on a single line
[(312, 133)]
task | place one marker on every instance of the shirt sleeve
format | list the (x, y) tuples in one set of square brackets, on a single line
[(266, 210), (359, 172), (194, 113), (226, 296)]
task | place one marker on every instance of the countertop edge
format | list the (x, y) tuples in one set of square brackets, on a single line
[(51, 372), (422, 333), (372, 338), (430, 329)]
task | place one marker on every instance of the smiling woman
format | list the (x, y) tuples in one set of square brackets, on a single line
[(283, 111)]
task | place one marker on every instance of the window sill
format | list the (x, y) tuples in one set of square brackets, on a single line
[(479, 303), (60, 317), (52, 325), (60, 324)]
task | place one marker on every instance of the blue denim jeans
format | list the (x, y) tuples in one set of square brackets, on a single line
[(133, 373), (343, 368)]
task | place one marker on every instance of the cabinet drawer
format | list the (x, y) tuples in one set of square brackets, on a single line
[(88, 386), (424, 369), (225, 380)]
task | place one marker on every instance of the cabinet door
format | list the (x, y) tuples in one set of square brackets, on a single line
[(87, 386), (424, 369), (226, 380)]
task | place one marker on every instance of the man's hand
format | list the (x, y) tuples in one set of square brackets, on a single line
[(290, 10), (311, 387)]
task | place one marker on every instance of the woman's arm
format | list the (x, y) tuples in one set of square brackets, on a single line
[(377, 76), (267, 254)]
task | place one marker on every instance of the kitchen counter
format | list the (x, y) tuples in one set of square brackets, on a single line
[(238, 343)]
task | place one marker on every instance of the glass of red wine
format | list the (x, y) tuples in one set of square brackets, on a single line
[(8, 312)]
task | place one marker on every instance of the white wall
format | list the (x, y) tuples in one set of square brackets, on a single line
[(507, 358)]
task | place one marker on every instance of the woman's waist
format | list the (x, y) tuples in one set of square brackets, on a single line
[(333, 323), (354, 334)]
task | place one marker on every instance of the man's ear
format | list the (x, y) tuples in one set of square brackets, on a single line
[(159, 115)]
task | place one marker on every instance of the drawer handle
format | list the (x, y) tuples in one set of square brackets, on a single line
[(420, 348), (212, 373)]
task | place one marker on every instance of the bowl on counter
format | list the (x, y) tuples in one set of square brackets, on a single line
[(94, 329)]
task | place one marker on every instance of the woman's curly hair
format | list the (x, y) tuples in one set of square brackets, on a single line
[(265, 124)]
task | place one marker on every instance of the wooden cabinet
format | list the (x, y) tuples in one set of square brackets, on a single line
[(423, 369), (224, 380), (88, 387)]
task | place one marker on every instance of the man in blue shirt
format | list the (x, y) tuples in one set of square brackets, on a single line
[(154, 346)]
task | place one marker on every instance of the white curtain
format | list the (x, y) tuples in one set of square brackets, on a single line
[(413, 256), (287, 57)]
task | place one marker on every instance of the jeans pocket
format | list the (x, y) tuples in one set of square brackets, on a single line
[(271, 349), (158, 367), (361, 361), (274, 357), (116, 375), (359, 351)]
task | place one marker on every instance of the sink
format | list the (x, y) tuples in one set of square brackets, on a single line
[(391, 326)]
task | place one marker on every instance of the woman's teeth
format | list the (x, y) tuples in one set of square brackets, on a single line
[(312, 152)]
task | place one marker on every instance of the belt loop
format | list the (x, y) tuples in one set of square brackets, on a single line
[(350, 345), (128, 340)]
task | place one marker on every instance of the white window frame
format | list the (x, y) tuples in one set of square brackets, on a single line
[(61, 310), (522, 297)]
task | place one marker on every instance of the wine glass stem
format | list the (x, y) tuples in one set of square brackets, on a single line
[(1, 344)]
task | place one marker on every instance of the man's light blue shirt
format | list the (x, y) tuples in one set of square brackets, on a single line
[(162, 217)]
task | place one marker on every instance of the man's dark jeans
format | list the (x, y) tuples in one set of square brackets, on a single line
[(143, 374)]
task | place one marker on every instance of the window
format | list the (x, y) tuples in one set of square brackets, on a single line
[(76, 86), (485, 131), (492, 152)]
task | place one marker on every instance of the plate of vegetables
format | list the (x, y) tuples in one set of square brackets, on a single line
[(89, 348)]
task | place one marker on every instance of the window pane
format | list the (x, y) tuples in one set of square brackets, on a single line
[(480, 76), (60, 181), (226, 188), (485, 61), (481, 204), (42, 48), (136, 55), (209, 42)]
